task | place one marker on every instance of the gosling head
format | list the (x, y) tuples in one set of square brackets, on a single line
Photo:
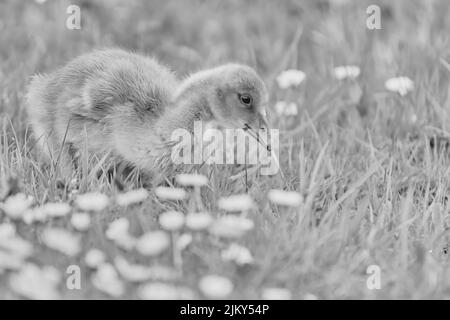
[(234, 94), (238, 98)]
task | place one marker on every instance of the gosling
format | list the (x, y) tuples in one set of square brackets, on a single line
[(126, 105)]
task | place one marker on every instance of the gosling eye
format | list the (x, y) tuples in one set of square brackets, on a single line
[(246, 99)]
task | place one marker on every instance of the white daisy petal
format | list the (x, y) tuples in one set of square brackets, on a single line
[(16, 246), (400, 85), (9, 261), (235, 203), (285, 198), (93, 201), (132, 197), (81, 221), (132, 272), (34, 215), (290, 109), (276, 294), (7, 230), (231, 226), (15, 205), (170, 193), (153, 243), (117, 228), (310, 296), (55, 209), (163, 291), (94, 258), (33, 282), (106, 280), (126, 242), (139, 273), (184, 241), (163, 273), (198, 221), (118, 232), (290, 78), (62, 241), (216, 287), (347, 72), (171, 220), (238, 254), (194, 180), (283, 108)]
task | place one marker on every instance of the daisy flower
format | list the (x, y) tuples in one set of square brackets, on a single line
[(346, 72), (168, 193), (117, 228), (9, 261), (193, 180), (310, 296), (7, 230), (132, 272), (93, 201), (34, 215), (238, 254), (118, 232), (198, 221), (94, 258), (283, 108), (153, 243), (400, 85), (36, 283), (285, 198), (235, 203), (171, 220), (106, 280), (16, 246), (290, 78), (163, 291), (231, 226), (215, 287), (55, 209), (276, 294), (81, 221), (15, 205), (163, 273), (62, 241), (183, 241), (132, 197), (13, 249)]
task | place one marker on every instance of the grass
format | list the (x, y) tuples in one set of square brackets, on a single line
[(372, 165)]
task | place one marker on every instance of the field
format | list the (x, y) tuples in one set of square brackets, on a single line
[(371, 165)]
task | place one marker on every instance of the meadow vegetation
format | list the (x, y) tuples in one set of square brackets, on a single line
[(371, 166)]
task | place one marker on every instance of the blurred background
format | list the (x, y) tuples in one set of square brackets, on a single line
[(311, 35)]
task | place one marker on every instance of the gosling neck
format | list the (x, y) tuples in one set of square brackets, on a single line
[(187, 107)]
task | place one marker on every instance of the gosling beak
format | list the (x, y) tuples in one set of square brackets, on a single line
[(255, 135), (263, 123)]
